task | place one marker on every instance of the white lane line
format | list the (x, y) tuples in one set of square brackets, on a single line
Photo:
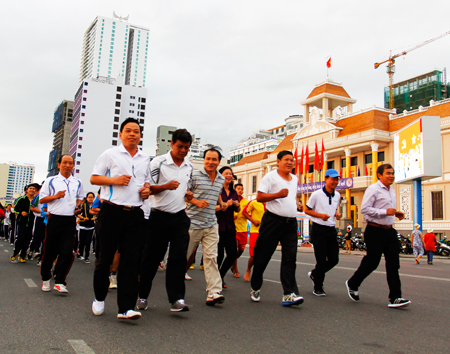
[(376, 271), (272, 281), (80, 346), (30, 283), (6, 250)]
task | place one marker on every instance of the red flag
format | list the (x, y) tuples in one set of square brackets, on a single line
[(329, 63), (296, 161), (306, 159), (301, 161), (321, 157), (341, 173), (367, 171), (316, 158)]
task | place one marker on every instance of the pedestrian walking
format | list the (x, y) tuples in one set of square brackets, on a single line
[(430, 242), (417, 242), (379, 210)]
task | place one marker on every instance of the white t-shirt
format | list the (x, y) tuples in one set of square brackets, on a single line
[(273, 183), (320, 203), (116, 162)]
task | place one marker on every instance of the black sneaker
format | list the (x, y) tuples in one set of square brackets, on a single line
[(319, 292), (354, 295), (310, 276), (399, 302)]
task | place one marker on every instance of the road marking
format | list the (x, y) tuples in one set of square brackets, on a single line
[(80, 346), (6, 250), (30, 283), (272, 281)]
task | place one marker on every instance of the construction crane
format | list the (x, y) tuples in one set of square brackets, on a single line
[(391, 65)]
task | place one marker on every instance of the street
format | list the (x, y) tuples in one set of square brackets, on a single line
[(36, 322)]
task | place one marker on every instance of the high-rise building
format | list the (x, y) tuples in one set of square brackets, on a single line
[(62, 124), (163, 139), (13, 179), (101, 105), (114, 47)]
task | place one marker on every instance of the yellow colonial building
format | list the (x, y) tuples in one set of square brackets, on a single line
[(355, 144)]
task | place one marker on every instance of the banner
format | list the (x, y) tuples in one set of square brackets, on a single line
[(344, 183)]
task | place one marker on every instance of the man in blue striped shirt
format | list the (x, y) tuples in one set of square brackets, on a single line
[(206, 184)]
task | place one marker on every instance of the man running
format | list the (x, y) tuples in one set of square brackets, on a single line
[(322, 207), (240, 221), (379, 210), (278, 189), (62, 193)]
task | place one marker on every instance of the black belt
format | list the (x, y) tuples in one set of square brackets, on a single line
[(387, 227), (281, 218), (123, 207)]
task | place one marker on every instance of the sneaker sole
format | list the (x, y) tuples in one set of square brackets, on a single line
[(61, 291), (348, 292), (289, 304), (184, 309), (46, 289), (255, 299), (319, 295), (139, 309), (134, 317), (97, 313), (399, 305), (215, 301)]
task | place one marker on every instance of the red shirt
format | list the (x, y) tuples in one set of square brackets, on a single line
[(430, 242)]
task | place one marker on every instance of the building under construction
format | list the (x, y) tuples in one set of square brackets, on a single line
[(418, 91)]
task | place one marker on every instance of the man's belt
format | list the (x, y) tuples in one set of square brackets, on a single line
[(281, 218), (123, 207), (387, 227)]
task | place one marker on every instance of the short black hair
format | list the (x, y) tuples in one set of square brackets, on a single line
[(182, 135), (61, 157), (87, 195), (283, 153), (239, 184), (382, 168), (213, 149), (36, 186), (130, 120)]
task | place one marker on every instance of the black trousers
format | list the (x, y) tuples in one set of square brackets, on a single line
[(326, 251), (59, 238), (227, 243), (119, 230), (273, 230), (24, 235), (38, 234), (165, 228), (380, 241), (84, 245)]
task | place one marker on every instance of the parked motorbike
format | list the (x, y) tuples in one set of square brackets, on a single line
[(405, 245), (442, 249)]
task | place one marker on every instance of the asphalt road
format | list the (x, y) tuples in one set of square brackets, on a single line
[(36, 322)]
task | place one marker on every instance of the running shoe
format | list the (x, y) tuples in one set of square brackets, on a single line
[(202, 267), (179, 306), (113, 281), (46, 285), (39, 263), (254, 295), (36, 255), (310, 276), (213, 299), (354, 295), (142, 304), (399, 302), (22, 260), (61, 288), (13, 258), (86, 261), (291, 299), (81, 258), (319, 292), (192, 266), (98, 307), (187, 277), (129, 315)]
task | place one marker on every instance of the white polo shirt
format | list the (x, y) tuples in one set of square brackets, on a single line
[(116, 162), (273, 183), (164, 170), (319, 201), (63, 206)]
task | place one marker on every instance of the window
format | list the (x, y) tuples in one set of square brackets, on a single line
[(131, 111), (141, 121), (117, 104), (77, 171), (84, 99), (114, 142), (81, 130), (311, 168), (133, 97), (85, 84), (82, 122), (80, 138), (142, 106), (254, 179), (368, 159), (343, 163), (142, 114), (117, 111), (85, 91), (78, 162), (82, 114), (330, 164), (437, 209), (115, 135), (381, 156), (132, 104), (354, 161), (116, 126), (83, 106), (80, 146), (79, 155), (119, 89), (116, 119)]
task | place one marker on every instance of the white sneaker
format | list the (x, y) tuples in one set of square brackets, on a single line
[(113, 281), (98, 307), (46, 285), (187, 277), (129, 315), (61, 288)]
